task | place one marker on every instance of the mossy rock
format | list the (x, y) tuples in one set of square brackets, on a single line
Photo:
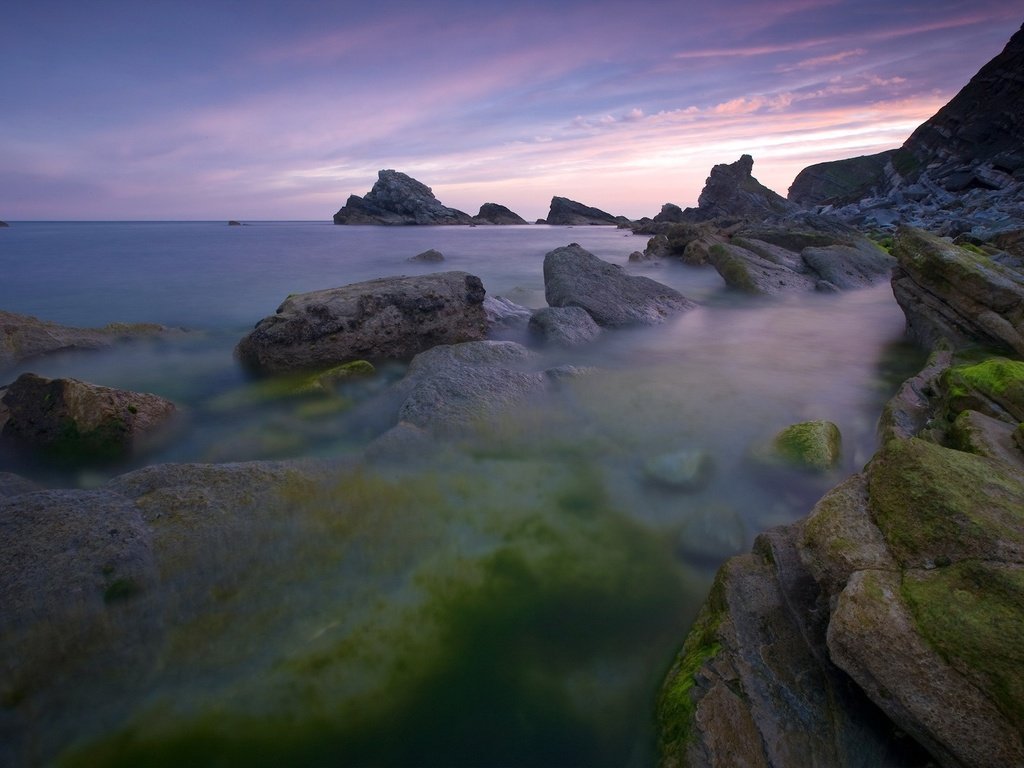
[(814, 445), (937, 506), (733, 269), (994, 387)]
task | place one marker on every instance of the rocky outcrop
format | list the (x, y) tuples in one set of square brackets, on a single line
[(670, 212), (23, 337), (890, 610), (429, 256), (732, 191), (564, 211), (574, 277), (387, 318), (564, 326), (492, 213), (953, 293), (841, 181), (397, 199), (78, 421)]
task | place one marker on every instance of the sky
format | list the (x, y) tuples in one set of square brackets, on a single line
[(260, 110)]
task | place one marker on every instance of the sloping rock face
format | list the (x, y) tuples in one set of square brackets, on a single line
[(956, 294), (492, 213), (564, 211), (731, 190), (76, 420), (387, 318), (574, 277), (841, 181), (564, 326), (23, 337), (895, 608), (397, 199)]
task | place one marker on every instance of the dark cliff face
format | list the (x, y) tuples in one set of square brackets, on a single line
[(731, 190), (976, 140), (983, 123)]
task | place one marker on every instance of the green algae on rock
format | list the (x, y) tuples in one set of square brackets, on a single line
[(815, 445)]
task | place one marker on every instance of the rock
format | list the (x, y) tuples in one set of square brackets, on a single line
[(234, 223), (841, 181), (387, 318), (564, 326), (575, 277), (450, 387), (977, 433), (4, 224), (686, 470), (849, 267), (568, 212), (731, 190), (397, 199), (815, 445), (670, 213), (23, 337), (15, 485), (505, 313), (492, 213), (955, 294), (994, 387), (429, 256), (710, 534), (77, 421), (909, 411), (750, 272)]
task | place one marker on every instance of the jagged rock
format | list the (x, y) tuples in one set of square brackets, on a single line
[(564, 326), (731, 190), (78, 421), (574, 277), (23, 337), (429, 256), (671, 213), (848, 267), (492, 213), (841, 181), (568, 212), (948, 292), (387, 318), (397, 199)]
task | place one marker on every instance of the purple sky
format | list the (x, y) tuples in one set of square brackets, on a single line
[(280, 110)]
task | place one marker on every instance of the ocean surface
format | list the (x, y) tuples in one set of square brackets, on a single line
[(513, 600)]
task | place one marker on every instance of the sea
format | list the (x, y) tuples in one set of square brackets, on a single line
[(513, 598)]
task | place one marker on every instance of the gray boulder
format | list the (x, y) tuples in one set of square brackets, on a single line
[(429, 256), (564, 211), (564, 326), (23, 336), (750, 272), (78, 421), (574, 277), (952, 293), (397, 199), (492, 213), (503, 313), (387, 318), (847, 267)]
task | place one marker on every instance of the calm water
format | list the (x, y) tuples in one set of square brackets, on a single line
[(513, 601)]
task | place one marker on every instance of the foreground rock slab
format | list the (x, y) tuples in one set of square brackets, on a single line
[(574, 277), (387, 318)]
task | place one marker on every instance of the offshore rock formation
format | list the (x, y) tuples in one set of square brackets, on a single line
[(397, 199), (961, 171), (731, 190), (23, 337), (387, 318), (564, 211), (574, 277), (492, 213)]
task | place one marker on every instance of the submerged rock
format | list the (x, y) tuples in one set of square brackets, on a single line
[(387, 318), (78, 421), (813, 445), (574, 277), (23, 337), (398, 199), (686, 470)]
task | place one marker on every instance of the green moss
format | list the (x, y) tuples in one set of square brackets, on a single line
[(972, 613), (676, 703), (813, 445), (996, 381), (732, 269), (935, 504)]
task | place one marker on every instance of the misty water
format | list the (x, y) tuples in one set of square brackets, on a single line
[(512, 598)]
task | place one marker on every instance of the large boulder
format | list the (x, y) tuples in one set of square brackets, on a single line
[(78, 421), (564, 326), (397, 199), (492, 213), (387, 318), (23, 336), (731, 190), (963, 296), (564, 211), (574, 277)]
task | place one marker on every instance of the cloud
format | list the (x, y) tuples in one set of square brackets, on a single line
[(821, 61)]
